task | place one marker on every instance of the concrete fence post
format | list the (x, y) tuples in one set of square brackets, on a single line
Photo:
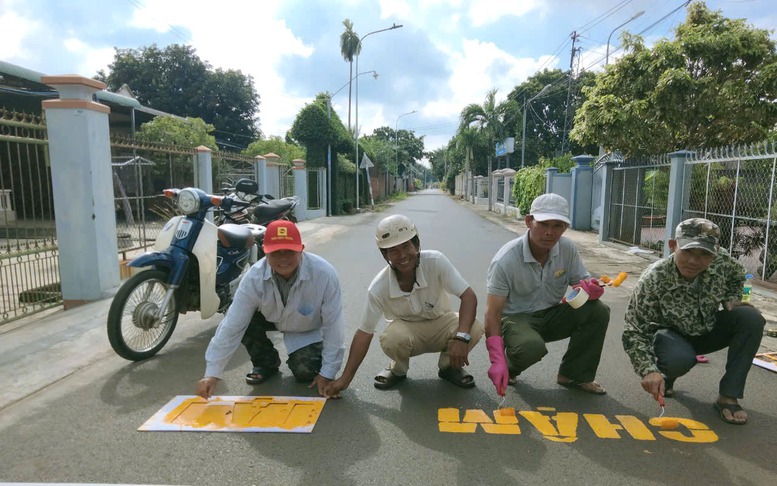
[(205, 169), (82, 183), (608, 169), (581, 193), (300, 188), (677, 196)]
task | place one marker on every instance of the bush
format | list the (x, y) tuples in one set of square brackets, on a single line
[(530, 181), (346, 207)]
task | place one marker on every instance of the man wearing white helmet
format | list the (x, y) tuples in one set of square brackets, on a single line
[(411, 293)]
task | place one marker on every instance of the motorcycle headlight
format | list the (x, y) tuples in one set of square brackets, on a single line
[(188, 201)]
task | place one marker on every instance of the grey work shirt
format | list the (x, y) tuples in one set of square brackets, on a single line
[(514, 273)]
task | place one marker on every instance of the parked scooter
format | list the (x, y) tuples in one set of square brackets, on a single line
[(263, 207), (196, 266)]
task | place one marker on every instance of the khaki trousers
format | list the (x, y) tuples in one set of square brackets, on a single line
[(404, 339)]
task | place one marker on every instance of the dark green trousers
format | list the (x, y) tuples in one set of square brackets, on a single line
[(525, 336)]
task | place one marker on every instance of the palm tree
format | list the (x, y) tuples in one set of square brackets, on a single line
[(489, 118), (466, 138), (349, 48)]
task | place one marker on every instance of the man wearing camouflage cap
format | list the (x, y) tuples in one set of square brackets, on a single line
[(673, 316)]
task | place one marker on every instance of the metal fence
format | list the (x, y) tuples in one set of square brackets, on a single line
[(141, 171), (316, 184), (29, 265), (735, 188), (638, 201)]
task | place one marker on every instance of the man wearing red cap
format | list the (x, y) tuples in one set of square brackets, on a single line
[(291, 291)]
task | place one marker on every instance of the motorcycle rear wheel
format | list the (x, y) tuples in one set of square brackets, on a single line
[(134, 330)]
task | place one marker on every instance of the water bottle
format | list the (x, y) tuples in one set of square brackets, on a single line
[(747, 288)]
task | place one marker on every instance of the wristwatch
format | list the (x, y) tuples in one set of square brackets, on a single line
[(463, 336)]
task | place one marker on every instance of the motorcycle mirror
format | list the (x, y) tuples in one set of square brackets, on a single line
[(268, 196)]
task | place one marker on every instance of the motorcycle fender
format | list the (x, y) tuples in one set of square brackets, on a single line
[(205, 250), (165, 237), (152, 259)]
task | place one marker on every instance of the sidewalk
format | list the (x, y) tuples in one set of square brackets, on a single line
[(40, 350)]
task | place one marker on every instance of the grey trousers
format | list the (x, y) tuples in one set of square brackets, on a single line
[(740, 330)]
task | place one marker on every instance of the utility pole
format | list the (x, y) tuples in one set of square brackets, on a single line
[(575, 50)]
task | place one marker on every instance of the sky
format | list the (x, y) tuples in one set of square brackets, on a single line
[(446, 55)]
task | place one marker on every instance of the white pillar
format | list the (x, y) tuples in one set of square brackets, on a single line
[(82, 183), (205, 169), (300, 188)]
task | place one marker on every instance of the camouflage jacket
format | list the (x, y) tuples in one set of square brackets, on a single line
[(664, 300)]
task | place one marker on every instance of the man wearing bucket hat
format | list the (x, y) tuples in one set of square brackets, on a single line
[(673, 315), (291, 291), (527, 280), (411, 293)]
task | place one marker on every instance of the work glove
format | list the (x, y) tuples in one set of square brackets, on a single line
[(498, 371), (592, 288)]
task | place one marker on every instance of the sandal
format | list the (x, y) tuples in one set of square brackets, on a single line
[(386, 379), (588, 387), (457, 376), (259, 375), (732, 408)]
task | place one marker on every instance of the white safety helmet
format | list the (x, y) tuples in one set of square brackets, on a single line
[(394, 230)]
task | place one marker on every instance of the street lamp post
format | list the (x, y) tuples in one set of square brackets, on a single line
[(356, 96), (329, 145), (607, 56), (523, 139), (396, 138)]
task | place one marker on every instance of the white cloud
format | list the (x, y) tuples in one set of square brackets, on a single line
[(394, 8), (16, 30), (255, 42), (483, 12)]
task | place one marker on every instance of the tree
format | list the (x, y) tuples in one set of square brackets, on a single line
[(186, 133), (545, 115), (276, 145), (175, 80), (350, 46), (713, 85), (315, 130), (488, 117)]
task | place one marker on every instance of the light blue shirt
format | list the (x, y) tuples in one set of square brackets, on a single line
[(313, 313), (529, 287)]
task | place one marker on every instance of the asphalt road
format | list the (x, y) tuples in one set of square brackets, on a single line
[(83, 427)]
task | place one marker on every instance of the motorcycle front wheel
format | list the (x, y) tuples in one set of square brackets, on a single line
[(135, 330)]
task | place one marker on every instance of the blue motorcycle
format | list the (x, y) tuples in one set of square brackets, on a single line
[(196, 266)]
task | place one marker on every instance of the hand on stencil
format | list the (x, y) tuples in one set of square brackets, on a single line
[(498, 372)]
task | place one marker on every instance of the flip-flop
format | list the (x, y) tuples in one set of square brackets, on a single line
[(386, 379), (579, 385), (702, 359), (732, 408), (263, 373), (457, 376)]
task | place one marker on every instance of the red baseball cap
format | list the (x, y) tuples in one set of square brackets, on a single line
[(282, 235)]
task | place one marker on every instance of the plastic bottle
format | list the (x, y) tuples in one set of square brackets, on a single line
[(747, 288)]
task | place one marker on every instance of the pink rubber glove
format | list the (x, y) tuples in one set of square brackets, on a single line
[(593, 288), (498, 370)]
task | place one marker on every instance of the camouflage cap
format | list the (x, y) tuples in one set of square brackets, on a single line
[(697, 233)]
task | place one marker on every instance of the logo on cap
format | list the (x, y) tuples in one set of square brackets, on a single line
[(282, 235)]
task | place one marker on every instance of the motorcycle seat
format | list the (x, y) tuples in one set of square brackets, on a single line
[(265, 213), (235, 236)]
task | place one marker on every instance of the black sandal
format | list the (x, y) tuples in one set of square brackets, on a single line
[(457, 376), (263, 375)]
